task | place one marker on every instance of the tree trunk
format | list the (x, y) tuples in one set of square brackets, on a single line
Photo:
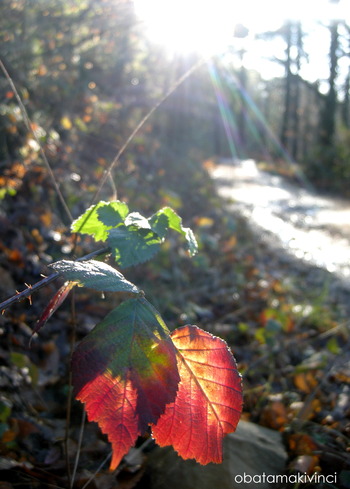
[(329, 110), (287, 98), (296, 95)]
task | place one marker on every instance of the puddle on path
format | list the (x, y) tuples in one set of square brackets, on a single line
[(312, 228)]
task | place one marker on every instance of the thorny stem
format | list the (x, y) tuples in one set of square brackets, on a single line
[(45, 281)]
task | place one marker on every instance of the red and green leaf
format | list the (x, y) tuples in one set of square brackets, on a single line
[(208, 404), (125, 372)]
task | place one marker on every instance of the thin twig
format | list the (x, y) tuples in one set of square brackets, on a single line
[(104, 461), (67, 425), (114, 188), (129, 458), (108, 173), (70, 394), (172, 89), (45, 281), (31, 130), (80, 441)]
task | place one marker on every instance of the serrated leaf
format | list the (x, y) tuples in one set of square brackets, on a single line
[(159, 223), (113, 214), (175, 223), (125, 372), (52, 306), (208, 404), (131, 245), (98, 219), (95, 275)]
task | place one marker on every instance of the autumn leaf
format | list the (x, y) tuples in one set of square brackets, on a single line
[(208, 404), (125, 372), (52, 306)]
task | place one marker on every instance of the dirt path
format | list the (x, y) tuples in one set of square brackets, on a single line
[(314, 229)]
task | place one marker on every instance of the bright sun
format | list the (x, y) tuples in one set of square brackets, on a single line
[(207, 26), (184, 26)]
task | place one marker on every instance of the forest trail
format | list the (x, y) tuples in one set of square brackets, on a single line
[(313, 228)]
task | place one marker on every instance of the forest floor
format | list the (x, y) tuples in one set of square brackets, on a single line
[(284, 315)]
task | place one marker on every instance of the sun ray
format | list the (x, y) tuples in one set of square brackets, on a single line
[(228, 121)]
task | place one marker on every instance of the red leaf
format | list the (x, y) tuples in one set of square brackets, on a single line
[(111, 402), (208, 404), (52, 306), (125, 372)]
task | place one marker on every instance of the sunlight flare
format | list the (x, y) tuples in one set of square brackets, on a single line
[(209, 28), (189, 26)]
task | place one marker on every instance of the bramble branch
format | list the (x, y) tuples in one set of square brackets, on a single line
[(45, 281)]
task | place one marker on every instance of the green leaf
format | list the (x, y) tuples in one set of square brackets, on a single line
[(136, 219), (98, 219), (131, 245), (159, 223), (95, 275), (174, 222), (113, 214), (133, 238)]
